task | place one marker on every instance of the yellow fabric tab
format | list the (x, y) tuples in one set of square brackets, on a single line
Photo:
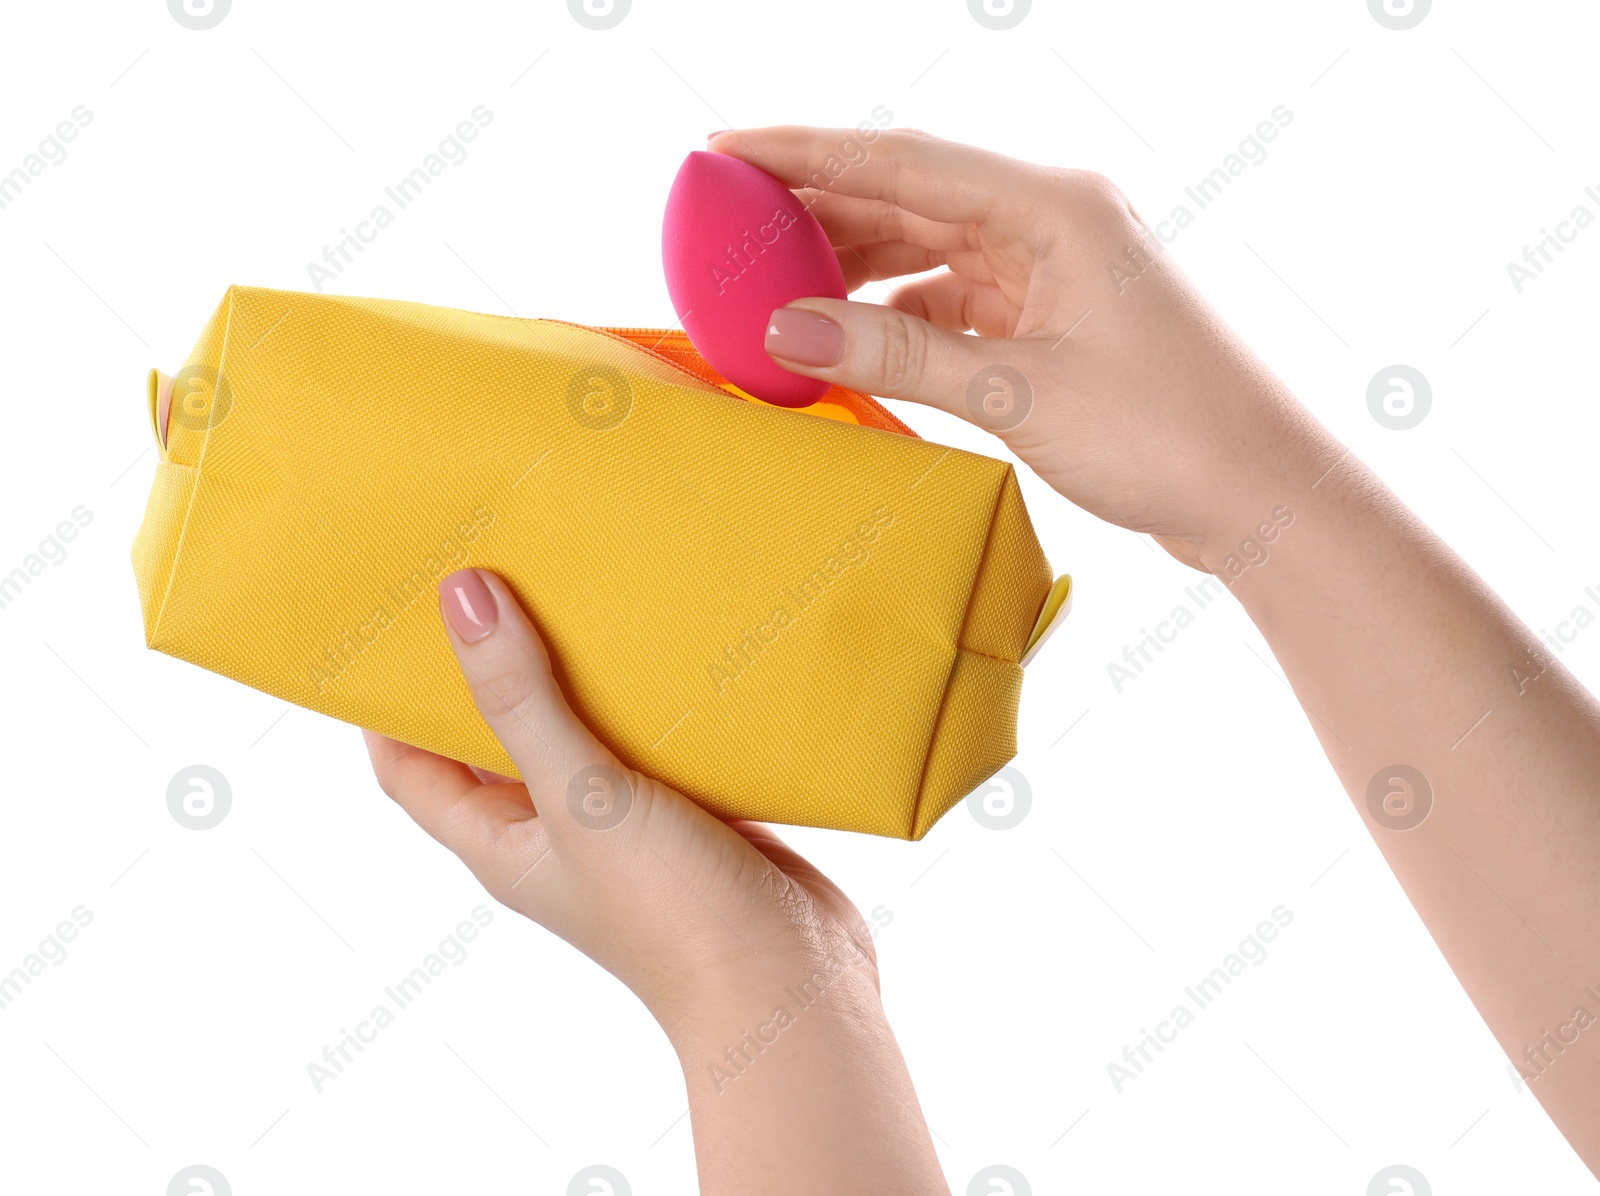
[(1057, 605), (152, 389), (788, 618)]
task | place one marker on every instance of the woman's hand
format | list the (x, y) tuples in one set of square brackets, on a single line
[(1095, 360), (1470, 752), (715, 926)]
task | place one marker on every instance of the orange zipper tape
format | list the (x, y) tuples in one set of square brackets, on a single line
[(672, 345)]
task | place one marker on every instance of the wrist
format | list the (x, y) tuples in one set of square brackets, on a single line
[(777, 1007), (1233, 556), (1270, 481), (795, 1084), (1317, 536)]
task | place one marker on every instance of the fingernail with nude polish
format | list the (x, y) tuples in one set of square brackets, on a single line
[(803, 337), (468, 605)]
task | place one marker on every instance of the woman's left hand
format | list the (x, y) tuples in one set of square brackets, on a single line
[(711, 924)]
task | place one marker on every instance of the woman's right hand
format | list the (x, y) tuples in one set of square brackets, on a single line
[(1095, 361), (1148, 411)]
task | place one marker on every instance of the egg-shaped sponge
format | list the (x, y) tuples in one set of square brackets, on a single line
[(737, 244)]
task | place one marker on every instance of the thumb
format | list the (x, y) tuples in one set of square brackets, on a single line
[(576, 783), (886, 352)]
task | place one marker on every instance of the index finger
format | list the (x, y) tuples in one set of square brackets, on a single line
[(445, 799), (938, 179)]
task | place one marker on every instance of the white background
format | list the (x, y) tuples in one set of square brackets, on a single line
[(1167, 820)]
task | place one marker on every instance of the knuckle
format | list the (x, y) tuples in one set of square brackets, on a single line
[(903, 354), (900, 149), (886, 224), (1086, 209), (509, 691), (387, 768), (1092, 182), (907, 298), (1096, 196)]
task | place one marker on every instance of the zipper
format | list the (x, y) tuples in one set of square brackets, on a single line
[(673, 346)]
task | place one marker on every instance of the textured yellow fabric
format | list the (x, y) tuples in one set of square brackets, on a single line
[(788, 618)]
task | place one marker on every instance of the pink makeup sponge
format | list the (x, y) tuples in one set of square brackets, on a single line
[(736, 244)]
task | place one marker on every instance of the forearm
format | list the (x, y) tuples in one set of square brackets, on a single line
[(1402, 656), (797, 1086)]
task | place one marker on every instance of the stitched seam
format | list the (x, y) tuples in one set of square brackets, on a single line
[(944, 694)]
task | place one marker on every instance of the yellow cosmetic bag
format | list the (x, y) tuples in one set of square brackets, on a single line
[(809, 617)]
